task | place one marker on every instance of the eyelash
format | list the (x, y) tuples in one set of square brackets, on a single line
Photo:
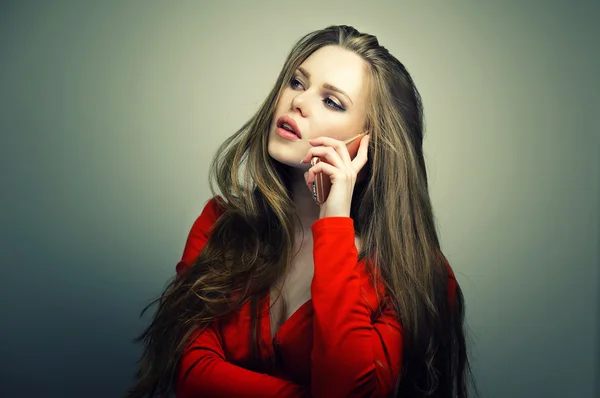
[(335, 106)]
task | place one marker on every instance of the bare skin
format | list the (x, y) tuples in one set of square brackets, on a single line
[(318, 112)]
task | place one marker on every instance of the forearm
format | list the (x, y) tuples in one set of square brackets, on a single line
[(204, 372), (352, 355)]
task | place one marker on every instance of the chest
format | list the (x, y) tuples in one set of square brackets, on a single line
[(285, 330), (293, 290)]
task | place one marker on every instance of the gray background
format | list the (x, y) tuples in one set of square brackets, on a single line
[(111, 112)]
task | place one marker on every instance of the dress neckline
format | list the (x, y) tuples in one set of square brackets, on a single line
[(288, 323)]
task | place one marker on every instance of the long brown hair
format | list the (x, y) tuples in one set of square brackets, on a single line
[(251, 243)]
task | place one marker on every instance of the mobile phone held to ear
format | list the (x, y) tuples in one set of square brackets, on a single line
[(322, 184)]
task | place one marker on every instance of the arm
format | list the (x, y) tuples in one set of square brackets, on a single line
[(198, 235), (204, 371), (352, 356)]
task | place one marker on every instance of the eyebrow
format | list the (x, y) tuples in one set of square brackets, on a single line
[(326, 85)]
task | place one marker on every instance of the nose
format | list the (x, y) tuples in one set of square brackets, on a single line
[(299, 103)]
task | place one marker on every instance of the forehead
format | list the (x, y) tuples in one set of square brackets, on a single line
[(339, 67)]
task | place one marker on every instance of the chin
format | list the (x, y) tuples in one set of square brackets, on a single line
[(286, 155), (287, 160)]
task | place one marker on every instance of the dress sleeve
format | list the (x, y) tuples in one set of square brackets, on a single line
[(352, 355), (204, 371), (452, 284), (198, 235)]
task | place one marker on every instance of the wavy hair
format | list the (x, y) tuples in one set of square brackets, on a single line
[(251, 243)]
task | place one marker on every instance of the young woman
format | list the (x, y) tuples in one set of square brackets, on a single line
[(277, 295)]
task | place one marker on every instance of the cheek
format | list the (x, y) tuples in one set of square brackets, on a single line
[(338, 128), (285, 99)]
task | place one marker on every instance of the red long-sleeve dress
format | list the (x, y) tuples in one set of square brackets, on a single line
[(334, 345)]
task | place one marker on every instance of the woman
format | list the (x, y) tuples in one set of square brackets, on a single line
[(278, 296)]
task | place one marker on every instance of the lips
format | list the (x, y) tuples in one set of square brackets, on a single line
[(291, 123)]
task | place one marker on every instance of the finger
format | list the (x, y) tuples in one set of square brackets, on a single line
[(334, 173), (326, 153), (338, 145)]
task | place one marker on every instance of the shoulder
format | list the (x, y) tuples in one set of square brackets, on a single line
[(452, 282), (212, 210), (210, 213), (200, 232), (451, 276)]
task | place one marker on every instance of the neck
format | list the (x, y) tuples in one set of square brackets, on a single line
[(307, 209)]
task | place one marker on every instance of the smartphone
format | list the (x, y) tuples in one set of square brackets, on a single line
[(322, 184)]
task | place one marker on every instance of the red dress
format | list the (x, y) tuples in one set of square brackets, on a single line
[(334, 345)]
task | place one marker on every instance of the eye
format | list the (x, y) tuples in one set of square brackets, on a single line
[(328, 101), (294, 81)]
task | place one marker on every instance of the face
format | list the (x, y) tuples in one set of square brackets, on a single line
[(312, 101)]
